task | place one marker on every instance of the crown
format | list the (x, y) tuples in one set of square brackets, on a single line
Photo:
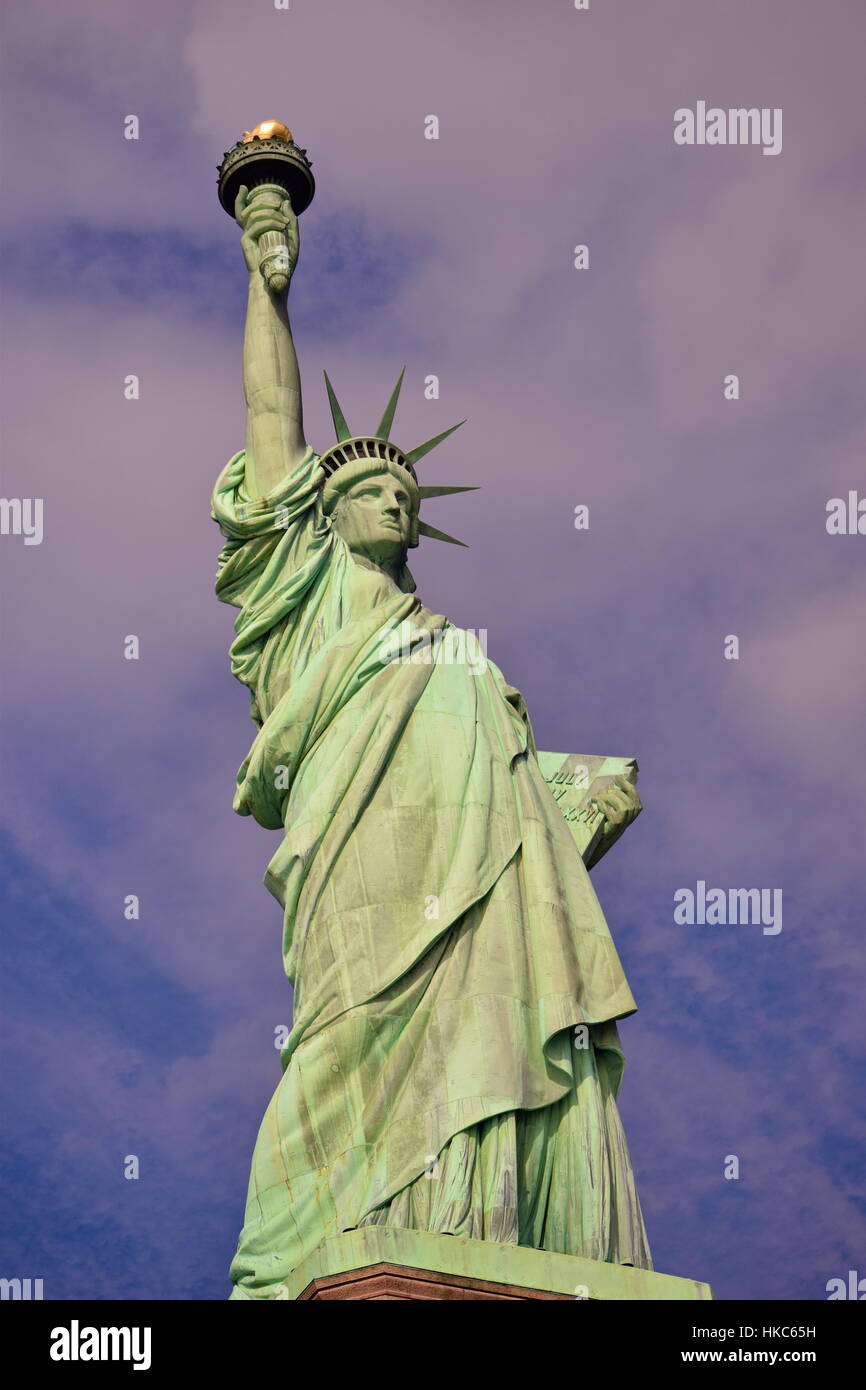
[(356, 456)]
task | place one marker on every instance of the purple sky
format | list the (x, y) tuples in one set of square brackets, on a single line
[(603, 387)]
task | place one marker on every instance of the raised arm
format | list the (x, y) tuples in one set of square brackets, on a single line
[(272, 385)]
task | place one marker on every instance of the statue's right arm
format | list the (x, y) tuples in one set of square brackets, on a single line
[(275, 441)]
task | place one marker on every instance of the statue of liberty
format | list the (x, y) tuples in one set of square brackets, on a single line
[(454, 1061)]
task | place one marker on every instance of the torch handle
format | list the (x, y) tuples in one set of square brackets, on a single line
[(274, 260), (273, 246)]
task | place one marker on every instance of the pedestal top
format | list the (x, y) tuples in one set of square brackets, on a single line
[(384, 1262)]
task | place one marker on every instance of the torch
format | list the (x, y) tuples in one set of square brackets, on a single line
[(272, 167)]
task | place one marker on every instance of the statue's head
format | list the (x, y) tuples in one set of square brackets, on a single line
[(370, 490), (373, 505)]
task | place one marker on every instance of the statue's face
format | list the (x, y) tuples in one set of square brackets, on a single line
[(374, 518)]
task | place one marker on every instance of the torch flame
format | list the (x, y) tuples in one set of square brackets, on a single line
[(267, 130)]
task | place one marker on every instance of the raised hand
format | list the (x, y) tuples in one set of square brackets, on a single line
[(267, 209)]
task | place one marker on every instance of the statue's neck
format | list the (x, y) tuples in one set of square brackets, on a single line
[(397, 570)]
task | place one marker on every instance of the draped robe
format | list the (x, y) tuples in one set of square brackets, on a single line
[(441, 933)]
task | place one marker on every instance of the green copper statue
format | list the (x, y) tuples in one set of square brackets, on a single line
[(454, 1059)]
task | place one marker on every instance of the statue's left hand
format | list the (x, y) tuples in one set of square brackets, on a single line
[(621, 805)]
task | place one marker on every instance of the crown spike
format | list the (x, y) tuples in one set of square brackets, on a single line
[(443, 491), (384, 427), (425, 530), (339, 419), (413, 455)]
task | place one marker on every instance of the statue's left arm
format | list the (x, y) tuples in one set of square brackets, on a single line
[(620, 805)]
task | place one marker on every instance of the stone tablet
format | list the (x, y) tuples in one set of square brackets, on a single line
[(574, 779)]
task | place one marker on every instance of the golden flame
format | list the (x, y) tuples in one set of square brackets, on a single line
[(267, 130)]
